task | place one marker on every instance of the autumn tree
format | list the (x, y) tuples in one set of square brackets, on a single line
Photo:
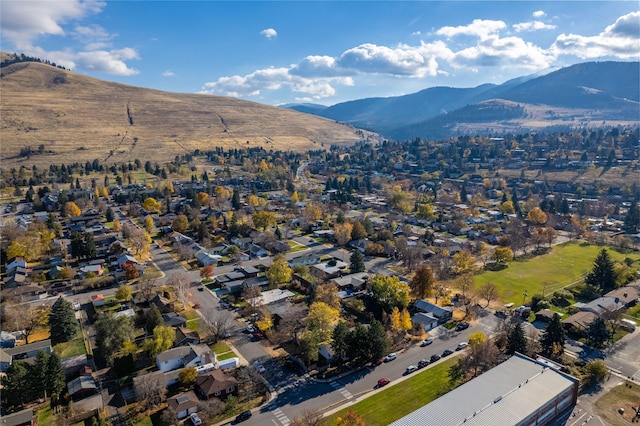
[(536, 216), (206, 272), (358, 232), (389, 292), (151, 205), (162, 340), (502, 255), (187, 377), (463, 262), (350, 418), (423, 282), (342, 232), (202, 198), (180, 223), (111, 332), (71, 209), (263, 219), (124, 292), (149, 225), (322, 318), (138, 240), (279, 272)]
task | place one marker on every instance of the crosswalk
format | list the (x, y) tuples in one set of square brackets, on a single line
[(282, 418), (340, 388)]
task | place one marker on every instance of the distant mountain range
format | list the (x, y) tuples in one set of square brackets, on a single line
[(582, 95)]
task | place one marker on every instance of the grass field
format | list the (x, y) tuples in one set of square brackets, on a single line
[(295, 246), (625, 396), (564, 265), (71, 348), (393, 403)]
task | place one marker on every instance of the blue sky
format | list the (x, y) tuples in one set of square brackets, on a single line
[(321, 52)]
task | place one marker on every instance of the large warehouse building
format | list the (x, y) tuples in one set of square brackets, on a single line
[(520, 391)]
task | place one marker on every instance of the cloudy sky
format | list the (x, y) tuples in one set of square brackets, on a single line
[(321, 52)]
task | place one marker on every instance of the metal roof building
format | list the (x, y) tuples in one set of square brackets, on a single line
[(520, 391)]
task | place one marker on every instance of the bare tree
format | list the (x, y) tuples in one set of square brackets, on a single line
[(291, 326), (150, 389), (488, 292), (250, 382), (308, 418), (185, 252), (217, 322), (253, 298), (180, 283), (147, 287)]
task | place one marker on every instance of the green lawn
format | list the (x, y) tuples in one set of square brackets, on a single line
[(220, 347), (226, 356), (399, 400), (71, 348), (564, 265)]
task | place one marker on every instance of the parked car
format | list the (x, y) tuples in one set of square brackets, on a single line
[(435, 357), (423, 363), (461, 346), (383, 381), (426, 342), (259, 366), (390, 357), (195, 419), (462, 326), (258, 336), (410, 369), (251, 329), (243, 416), (197, 306), (447, 352)]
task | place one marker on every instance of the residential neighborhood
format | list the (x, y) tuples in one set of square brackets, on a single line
[(241, 288)]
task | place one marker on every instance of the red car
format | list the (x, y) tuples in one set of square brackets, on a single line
[(383, 381), (196, 306)]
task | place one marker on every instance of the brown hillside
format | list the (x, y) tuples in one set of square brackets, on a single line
[(79, 118)]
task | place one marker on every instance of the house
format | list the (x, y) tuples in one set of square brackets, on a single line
[(627, 295), (326, 271), (603, 305), (579, 322), (19, 418), (304, 259), (273, 296), (183, 404), (81, 387), (24, 292), (205, 258), (352, 281), (94, 269), (216, 384), (184, 337), (7, 340), (24, 352), (249, 271), (161, 302), (174, 320), (17, 262), (421, 319), (126, 261), (443, 314), (97, 300), (360, 245), (326, 352), (257, 251), (184, 356)]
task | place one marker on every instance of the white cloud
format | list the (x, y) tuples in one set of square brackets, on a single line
[(508, 52), (539, 14), (23, 21), (621, 40), (316, 66), (108, 62), (269, 33), (481, 28), (532, 26), (168, 73)]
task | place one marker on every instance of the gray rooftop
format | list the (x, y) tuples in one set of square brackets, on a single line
[(503, 396)]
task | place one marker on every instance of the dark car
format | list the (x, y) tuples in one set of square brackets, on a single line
[(462, 326), (435, 357), (447, 352), (243, 416), (423, 363)]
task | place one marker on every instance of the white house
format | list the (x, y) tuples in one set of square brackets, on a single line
[(185, 356), (205, 258)]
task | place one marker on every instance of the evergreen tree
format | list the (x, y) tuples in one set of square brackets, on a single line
[(62, 322), (55, 379), (602, 273), (340, 340), (153, 319), (598, 333), (357, 262), (516, 340), (235, 199), (632, 219), (110, 215), (15, 385), (38, 374), (553, 339), (378, 341)]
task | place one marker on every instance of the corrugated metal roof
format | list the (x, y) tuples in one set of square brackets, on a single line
[(503, 396)]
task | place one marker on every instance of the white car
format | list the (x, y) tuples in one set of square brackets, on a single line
[(390, 357), (426, 342), (461, 346), (251, 329), (195, 419)]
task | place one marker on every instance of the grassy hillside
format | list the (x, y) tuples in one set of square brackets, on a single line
[(81, 118)]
